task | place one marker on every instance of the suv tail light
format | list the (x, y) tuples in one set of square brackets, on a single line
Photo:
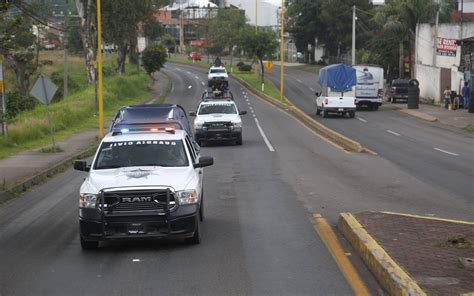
[(326, 101), (394, 89)]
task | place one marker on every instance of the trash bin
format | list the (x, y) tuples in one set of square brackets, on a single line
[(413, 94), (471, 103)]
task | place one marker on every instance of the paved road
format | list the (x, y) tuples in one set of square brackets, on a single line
[(434, 153), (257, 239)]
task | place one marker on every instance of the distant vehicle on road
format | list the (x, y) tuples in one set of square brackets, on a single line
[(218, 119), (195, 56), (337, 95), (369, 88), (142, 184), (399, 90), (217, 78)]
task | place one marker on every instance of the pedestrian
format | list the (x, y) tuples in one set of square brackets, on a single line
[(465, 92), (447, 96)]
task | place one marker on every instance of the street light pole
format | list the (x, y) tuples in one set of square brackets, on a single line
[(65, 44), (256, 16), (282, 51), (99, 70), (353, 35)]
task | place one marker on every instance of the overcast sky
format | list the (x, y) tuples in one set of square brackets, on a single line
[(267, 10)]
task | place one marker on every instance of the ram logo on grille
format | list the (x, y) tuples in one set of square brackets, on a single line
[(137, 199)]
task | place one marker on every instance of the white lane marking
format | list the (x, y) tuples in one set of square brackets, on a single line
[(299, 80), (203, 83), (265, 139), (251, 111), (188, 72), (254, 115), (195, 76), (393, 133), (179, 69), (136, 260), (311, 89), (246, 100), (447, 152), (248, 103), (190, 86), (361, 119)]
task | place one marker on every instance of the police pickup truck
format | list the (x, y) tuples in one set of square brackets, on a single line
[(144, 183), (218, 119), (217, 78)]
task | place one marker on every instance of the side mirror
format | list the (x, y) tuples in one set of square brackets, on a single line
[(81, 165), (193, 114), (242, 112), (317, 94), (207, 72), (204, 161)]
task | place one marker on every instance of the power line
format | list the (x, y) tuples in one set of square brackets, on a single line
[(37, 18)]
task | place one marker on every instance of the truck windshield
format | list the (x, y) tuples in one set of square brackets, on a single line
[(217, 108), (213, 71), (141, 153)]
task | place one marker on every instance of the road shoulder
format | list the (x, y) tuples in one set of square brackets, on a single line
[(407, 259)]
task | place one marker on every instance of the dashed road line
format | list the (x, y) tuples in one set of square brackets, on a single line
[(447, 152), (190, 86), (361, 119), (265, 139), (202, 82), (393, 133), (311, 89), (299, 80)]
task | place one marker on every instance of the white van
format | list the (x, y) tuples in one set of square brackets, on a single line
[(370, 84)]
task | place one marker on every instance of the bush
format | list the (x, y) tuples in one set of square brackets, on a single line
[(154, 58), (57, 78), (245, 68), (17, 103)]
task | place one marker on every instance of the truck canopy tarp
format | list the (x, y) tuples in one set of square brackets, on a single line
[(338, 77)]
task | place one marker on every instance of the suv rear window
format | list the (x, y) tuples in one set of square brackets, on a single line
[(213, 71), (170, 153), (400, 82)]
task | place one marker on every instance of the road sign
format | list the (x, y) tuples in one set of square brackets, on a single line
[(43, 90), (141, 44)]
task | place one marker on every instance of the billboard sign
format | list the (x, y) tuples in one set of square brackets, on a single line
[(446, 47)]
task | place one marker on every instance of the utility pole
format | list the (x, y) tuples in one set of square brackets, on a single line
[(353, 35), (65, 44), (256, 16), (435, 45), (99, 70), (4, 100), (282, 51), (181, 33)]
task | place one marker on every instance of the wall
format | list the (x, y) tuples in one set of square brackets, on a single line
[(429, 77)]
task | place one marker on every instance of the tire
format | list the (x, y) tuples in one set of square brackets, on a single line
[(239, 141), (375, 107), (394, 100), (201, 207), (325, 114), (318, 112), (196, 238), (92, 245), (352, 114)]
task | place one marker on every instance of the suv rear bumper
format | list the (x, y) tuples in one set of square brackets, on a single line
[(140, 226), (339, 110), (362, 101)]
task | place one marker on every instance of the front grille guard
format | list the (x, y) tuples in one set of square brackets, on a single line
[(103, 215)]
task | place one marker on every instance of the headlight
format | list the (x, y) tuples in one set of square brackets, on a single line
[(87, 200), (187, 197), (198, 125), (237, 124)]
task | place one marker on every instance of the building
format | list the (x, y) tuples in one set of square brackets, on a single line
[(444, 56)]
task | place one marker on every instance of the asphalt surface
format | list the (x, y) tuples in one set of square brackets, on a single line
[(257, 236), (432, 152)]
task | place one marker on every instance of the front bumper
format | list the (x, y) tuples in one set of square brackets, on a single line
[(362, 101), (220, 134), (181, 223)]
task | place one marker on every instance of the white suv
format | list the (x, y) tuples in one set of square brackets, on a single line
[(142, 184), (218, 120)]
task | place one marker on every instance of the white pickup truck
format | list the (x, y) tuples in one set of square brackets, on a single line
[(335, 102), (337, 96)]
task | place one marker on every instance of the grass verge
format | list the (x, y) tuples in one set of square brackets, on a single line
[(469, 128), (74, 114)]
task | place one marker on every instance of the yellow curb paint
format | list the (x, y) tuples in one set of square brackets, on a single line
[(387, 272), (329, 238), (419, 115), (430, 218)]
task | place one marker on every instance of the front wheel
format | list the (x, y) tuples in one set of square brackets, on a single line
[(394, 100), (352, 114), (325, 113), (196, 238), (375, 107), (239, 140), (318, 112), (89, 245)]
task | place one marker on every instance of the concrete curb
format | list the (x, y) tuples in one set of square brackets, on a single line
[(387, 272), (419, 115), (24, 185), (334, 136)]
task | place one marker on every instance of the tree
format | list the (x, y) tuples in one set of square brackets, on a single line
[(224, 29), (86, 10), (261, 44), (74, 40), (121, 19), (154, 57), (18, 45)]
